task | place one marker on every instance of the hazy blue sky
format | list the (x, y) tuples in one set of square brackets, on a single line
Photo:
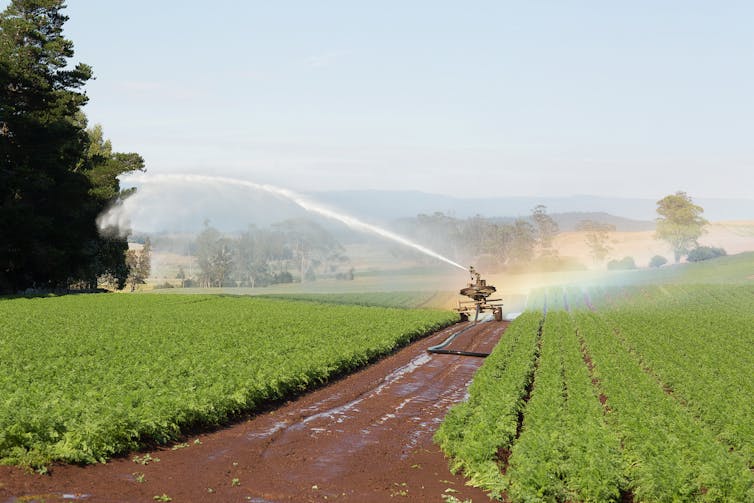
[(494, 98)]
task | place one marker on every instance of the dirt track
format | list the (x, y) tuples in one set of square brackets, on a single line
[(367, 437)]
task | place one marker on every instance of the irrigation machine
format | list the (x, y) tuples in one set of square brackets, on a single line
[(479, 292)]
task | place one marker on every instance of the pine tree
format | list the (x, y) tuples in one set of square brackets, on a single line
[(49, 194)]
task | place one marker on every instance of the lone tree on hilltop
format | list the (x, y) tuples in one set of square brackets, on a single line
[(680, 223), (597, 238), (546, 229)]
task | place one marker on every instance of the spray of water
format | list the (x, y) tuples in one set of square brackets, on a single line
[(118, 215)]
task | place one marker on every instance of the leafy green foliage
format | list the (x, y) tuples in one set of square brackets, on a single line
[(407, 300), (547, 228), (701, 253), (565, 451), (260, 257), (477, 433), (90, 376), (52, 185), (658, 261), (699, 353), (680, 222), (624, 263), (139, 264)]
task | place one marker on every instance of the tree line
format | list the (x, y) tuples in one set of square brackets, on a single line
[(488, 242), (528, 241), (56, 174), (293, 250)]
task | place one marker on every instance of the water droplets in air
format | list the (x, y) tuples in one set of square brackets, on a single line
[(150, 186)]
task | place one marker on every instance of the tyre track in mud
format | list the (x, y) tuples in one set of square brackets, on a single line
[(365, 437)]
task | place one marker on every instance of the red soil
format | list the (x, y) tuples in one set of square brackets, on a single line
[(366, 437)]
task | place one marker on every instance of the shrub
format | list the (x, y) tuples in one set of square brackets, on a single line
[(282, 277), (345, 276), (624, 263), (658, 261), (701, 253)]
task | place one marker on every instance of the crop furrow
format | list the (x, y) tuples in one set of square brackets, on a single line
[(668, 454)]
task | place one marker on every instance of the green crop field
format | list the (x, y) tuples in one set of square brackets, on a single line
[(90, 376), (733, 269), (405, 300), (595, 394)]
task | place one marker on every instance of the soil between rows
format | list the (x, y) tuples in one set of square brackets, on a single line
[(366, 437)]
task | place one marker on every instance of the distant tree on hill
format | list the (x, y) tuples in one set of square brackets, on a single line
[(311, 245), (208, 244), (523, 242), (222, 262), (181, 275), (139, 264), (444, 233), (259, 257), (597, 238), (546, 227), (252, 252), (680, 223)]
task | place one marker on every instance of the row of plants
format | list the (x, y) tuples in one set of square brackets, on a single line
[(633, 392), (407, 299), (698, 353), (91, 376), (479, 433), (566, 451), (668, 454)]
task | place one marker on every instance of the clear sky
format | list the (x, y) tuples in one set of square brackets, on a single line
[(490, 98)]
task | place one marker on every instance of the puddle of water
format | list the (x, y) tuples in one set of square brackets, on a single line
[(269, 431), (47, 498), (340, 414), (396, 411)]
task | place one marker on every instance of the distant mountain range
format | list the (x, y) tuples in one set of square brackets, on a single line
[(391, 205), (235, 211)]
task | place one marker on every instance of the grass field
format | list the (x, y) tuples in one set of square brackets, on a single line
[(602, 392), (87, 377)]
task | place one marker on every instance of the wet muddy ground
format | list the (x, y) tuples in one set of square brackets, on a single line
[(366, 437)]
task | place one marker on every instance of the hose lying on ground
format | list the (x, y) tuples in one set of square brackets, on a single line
[(440, 348)]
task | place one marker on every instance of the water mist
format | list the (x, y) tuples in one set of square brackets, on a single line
[(119, 216)]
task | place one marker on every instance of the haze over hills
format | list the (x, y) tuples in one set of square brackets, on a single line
[(569, 221), (389, 205), (234, 209)]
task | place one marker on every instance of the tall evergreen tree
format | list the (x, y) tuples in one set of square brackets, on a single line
[(102, 166), (48, 201)]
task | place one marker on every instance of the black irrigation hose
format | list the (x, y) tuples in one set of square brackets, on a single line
[(440, 348)]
